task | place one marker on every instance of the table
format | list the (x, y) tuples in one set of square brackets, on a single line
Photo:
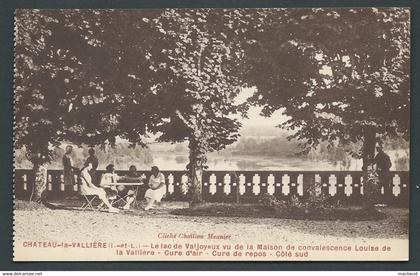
[(136, 186)]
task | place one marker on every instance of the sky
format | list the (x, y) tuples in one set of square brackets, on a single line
[(255, 119)]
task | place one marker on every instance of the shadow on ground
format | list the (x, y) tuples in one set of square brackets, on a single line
[(395, 225)]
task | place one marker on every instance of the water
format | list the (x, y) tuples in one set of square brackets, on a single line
[(223, 161), (244, 162)]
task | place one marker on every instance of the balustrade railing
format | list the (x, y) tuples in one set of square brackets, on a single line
[(239, 186)]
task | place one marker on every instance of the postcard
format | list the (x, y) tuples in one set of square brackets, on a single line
[(269, 134)]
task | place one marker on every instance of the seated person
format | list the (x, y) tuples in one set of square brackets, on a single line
[(131, 177), (88, 188), (123, 191), (157, 188), (108, 178)]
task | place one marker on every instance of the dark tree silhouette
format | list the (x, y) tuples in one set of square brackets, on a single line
[(340, 75)]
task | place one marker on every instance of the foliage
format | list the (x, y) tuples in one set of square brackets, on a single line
[(36, 125), (94, 75), (314, 201), (90, 79), (120, 155), (335, 73), (89, 76), (203, 56), (271, 201)]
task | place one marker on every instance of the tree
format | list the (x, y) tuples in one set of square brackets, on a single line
[(199, 101), (122, 73), (75, 80), (36, 124), (340, 75)]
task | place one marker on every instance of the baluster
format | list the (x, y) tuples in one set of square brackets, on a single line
[(226, 184), (229, 187), (49, 181), (171, 186), (299, 185), (405, 182), (348, 181), (362, 185), (242, 184), (318, 185), (25, 182), (178, 185), (285, 180), (213, 187), (76, 181), (396, 184), (256, 181), (332, 181), (270, 184)]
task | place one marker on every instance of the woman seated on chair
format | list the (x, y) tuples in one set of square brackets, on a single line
[(157, 188), (88, 188), (126, 192)]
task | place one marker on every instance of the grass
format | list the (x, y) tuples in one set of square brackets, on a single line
[(260, 211)]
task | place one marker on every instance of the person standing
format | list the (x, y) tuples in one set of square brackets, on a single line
[(383, 166), (68, 168), (94, 161)]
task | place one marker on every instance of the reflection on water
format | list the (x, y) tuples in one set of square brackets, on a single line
[(218, 162)]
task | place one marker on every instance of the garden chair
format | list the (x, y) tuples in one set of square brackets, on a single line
[(88, 203)]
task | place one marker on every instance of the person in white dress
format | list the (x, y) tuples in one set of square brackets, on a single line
[(88, 188), (157, 188)]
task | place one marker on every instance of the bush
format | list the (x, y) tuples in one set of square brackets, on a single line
[(268, 200), (313, 202)]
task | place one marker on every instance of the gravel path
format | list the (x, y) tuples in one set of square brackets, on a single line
[(43, 224)]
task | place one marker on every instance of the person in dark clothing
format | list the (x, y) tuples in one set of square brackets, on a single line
[(129, 191), (68, 168), (94, 161), (69, 172), (383, 165)]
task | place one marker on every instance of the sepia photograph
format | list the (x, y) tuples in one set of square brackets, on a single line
[(204, 134)]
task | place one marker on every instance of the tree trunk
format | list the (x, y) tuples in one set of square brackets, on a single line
[(40, 183), (368, 154), (195, 175)]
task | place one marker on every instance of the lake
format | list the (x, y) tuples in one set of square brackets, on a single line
[(226, 161), (216, 161)]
